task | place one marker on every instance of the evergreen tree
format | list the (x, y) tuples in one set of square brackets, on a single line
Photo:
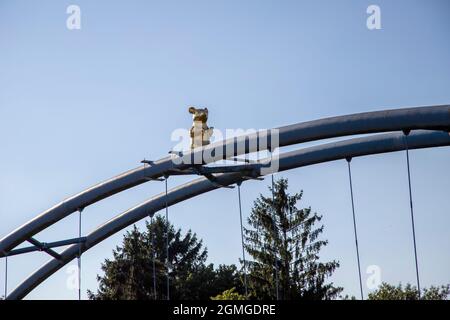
[(230, 294), (129, 274), (284, 241), (409, 292)]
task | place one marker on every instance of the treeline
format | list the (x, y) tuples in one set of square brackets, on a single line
[(282, 241)]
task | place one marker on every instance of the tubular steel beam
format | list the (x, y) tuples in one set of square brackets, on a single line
[(46, 245), (304, 157), (203, 170), (430, 118), (41, 247)]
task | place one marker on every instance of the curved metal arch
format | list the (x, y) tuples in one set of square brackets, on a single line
[(304, 157), (430, 118)]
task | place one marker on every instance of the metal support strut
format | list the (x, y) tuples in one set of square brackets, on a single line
[(151, 163), (6, 277), (79, 254), (46, 246), (242, 239), (167, 242), (153, 257), (406, 132), (354, 226)]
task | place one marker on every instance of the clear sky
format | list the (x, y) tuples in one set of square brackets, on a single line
[(80, 106)]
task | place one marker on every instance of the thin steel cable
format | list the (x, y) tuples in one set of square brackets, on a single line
[(242, 240), (153, 258), (153, 249), (167, 243), (6, 277), (412, 212), (354, 226), (79, 254), (274, 251)]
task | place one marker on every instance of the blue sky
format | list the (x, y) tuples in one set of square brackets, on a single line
[(78, 107)]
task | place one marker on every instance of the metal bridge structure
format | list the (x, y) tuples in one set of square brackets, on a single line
[(380, 132)]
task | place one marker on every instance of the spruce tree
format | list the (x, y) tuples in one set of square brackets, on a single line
[(129, 274), (285, 242)]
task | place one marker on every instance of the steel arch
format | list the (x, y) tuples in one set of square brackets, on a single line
[(304, 157), (430, 118)]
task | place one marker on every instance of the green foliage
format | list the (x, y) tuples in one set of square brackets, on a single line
[(283, 235), (230, 294), (129, 274), (409, 292)]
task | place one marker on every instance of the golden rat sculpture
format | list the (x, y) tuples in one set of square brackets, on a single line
[(200, 132)]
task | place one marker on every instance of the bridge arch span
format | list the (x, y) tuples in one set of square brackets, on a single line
[(351, 148), (429, 118)]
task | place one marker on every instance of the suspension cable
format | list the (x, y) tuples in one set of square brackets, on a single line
[(406, 133), (275, 230), (354, 226), (242, 240), (153, 257), (167, 242), (6, 276), (152, 239), (79, 253)]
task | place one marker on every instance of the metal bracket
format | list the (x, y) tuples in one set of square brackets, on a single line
[(46, 247), (154, 179), (248, 170), (200, 171), (253, 178), (219, 185), (177, 153), (175, 172), (244, 160), (149, 162)]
